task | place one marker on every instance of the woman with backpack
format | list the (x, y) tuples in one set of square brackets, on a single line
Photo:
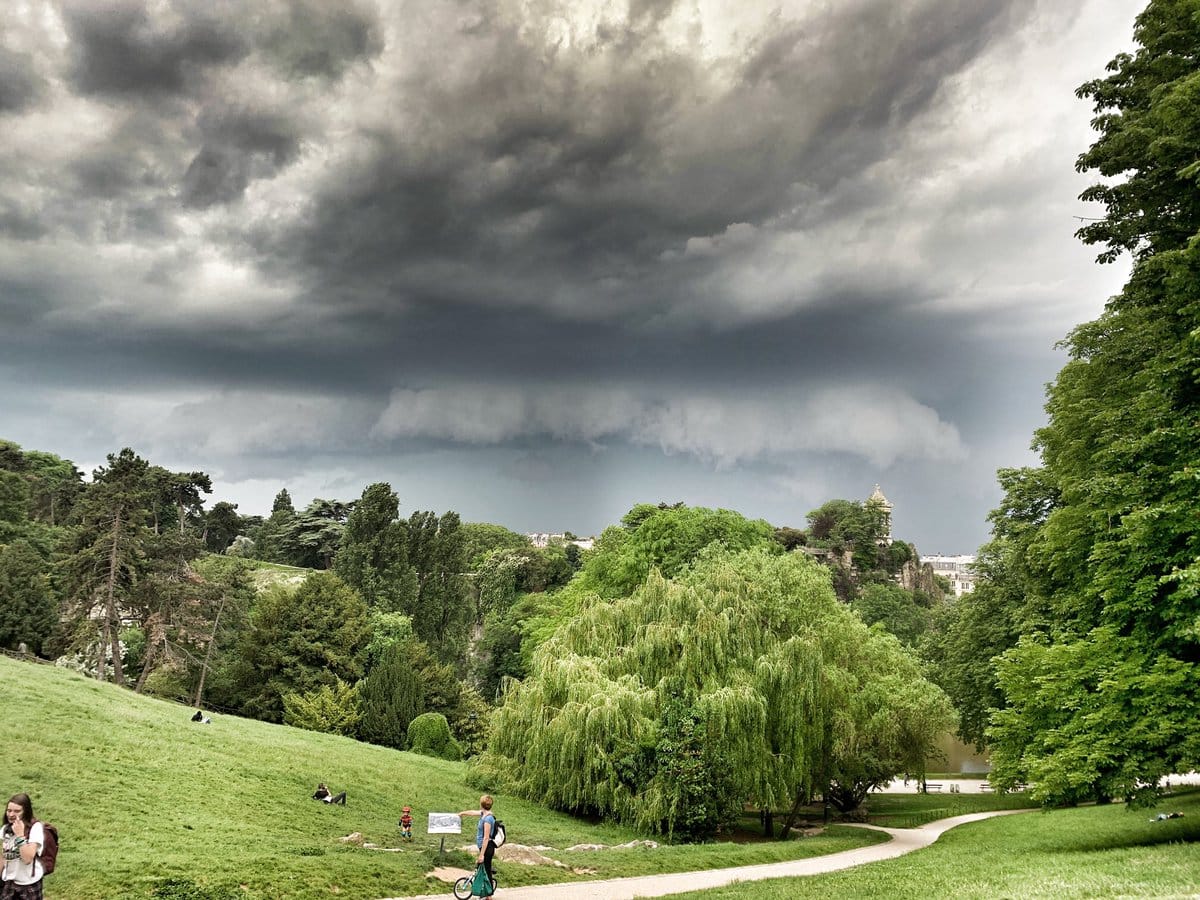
[(23, 837), (485, 835)]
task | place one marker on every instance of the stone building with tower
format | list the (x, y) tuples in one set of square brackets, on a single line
[(881, 503)]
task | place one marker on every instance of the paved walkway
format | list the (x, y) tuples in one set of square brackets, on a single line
[(904, 840)]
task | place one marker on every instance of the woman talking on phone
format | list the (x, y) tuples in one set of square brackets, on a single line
[(21, 878)]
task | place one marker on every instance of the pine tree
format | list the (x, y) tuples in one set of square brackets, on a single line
[(108, 554), (391, 697)]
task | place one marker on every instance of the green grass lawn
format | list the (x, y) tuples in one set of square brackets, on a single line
[(149, 803), (1101, 851), (913, 810)]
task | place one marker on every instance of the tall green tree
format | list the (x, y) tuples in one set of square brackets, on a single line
[(391, 696), (268, 536), (666, 538), (177, 498), (373, 555), (107, 554), (311, 539), (967, 633), (54, 485), (1103, 699), (443, 609), (481, 538), (228, 597), (299, 640), (221, 525)]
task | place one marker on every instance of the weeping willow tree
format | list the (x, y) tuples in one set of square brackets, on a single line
[(745, 665)]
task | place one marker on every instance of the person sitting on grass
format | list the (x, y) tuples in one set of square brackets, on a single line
[(323, 794)]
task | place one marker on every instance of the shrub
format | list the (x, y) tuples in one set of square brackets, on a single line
[(334, 710), (429, 735)]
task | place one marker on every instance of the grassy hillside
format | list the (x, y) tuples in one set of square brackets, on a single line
[(151, 804), (266, 574)]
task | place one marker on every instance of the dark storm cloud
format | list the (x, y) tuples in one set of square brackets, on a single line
[(566, 174), (239, 144), (796, 249), (120, 48)]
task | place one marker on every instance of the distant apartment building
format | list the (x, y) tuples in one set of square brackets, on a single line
[(545, 539), (955, 569)]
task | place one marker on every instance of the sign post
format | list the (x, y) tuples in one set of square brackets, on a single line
[(444, 824)]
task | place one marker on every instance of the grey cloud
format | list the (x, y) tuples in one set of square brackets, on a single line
[(314, 37), (20, 84), (873, 422), (240, 145), (215, 176), (18, 223), (566, 173), (121, 49)]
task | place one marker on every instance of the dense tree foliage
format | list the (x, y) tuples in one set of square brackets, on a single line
[(312, 537), (392, 696), (429, 734), (665, 538), (441, 611), (331, 708), (299, 640), (896, 610), (107, 555), (482, 538), (423, 600), (373, 557), (28, 613), (221, 526), (1102, 691), (967, 633), (790, 690), (505, 632)]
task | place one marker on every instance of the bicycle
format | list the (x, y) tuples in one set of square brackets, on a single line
[(464, 887)]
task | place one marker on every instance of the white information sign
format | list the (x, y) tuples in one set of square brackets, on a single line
[(445, 823)]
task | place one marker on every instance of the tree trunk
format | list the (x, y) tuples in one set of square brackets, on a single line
[(212, 641), (102, 651), (791, 819), (147, 665), (156, 638), (111, 618)]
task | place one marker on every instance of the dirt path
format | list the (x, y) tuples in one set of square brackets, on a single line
[(904, 840)]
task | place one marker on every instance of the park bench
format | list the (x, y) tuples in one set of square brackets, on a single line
[(933, 786), (985, 786)]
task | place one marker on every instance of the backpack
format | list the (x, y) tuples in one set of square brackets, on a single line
[(49, 847), (499, 835)]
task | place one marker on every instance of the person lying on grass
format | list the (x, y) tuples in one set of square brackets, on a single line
[(322, 793)]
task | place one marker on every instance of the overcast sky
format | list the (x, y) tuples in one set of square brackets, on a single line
[(537, 261)]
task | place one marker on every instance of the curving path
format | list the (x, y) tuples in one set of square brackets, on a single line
[(904, 840)]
